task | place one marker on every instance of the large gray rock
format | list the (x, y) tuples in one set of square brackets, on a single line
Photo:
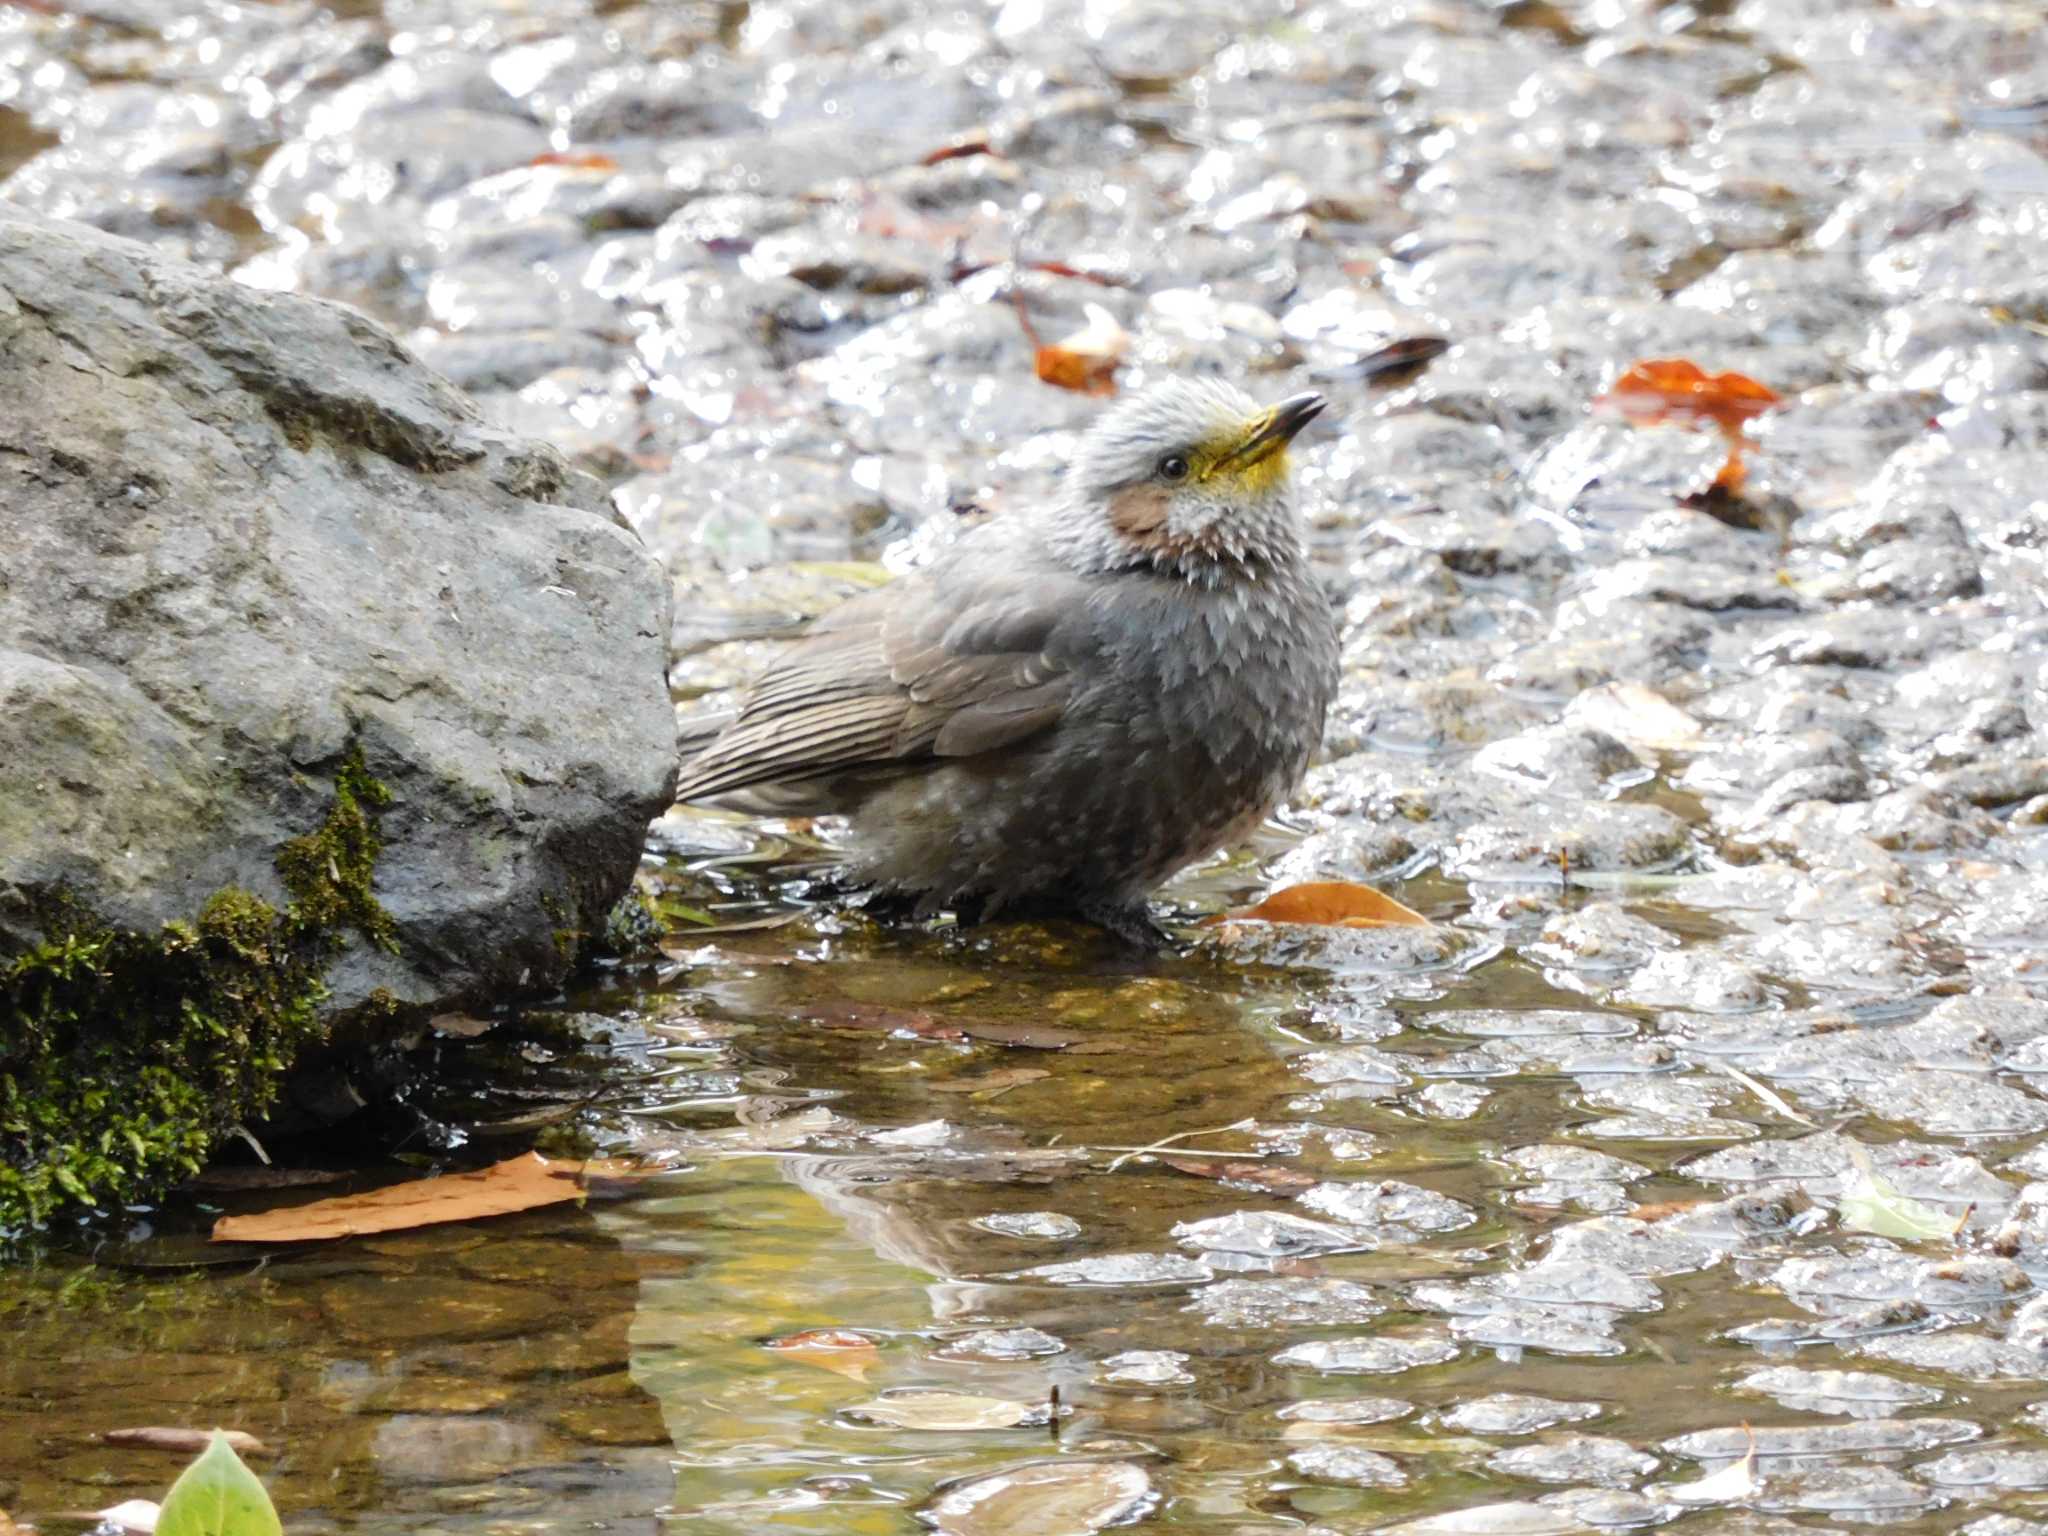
[(243, 535)]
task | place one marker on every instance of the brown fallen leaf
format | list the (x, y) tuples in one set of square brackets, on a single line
[(973, 143), (521, 1125), (518, 1184), (186, 1442), (461, 1025), (846, 1014), (8, 1527), (1039, 1037), (1673, 389), (1398, 357), (1079, 274), (989, 1084), (572, 160), (1327, 904), (830, 1349), (1240, 1171), (1087, 360)]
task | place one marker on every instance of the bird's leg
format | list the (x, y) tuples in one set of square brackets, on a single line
[(1132, 923), (887, 905), (835, 884)]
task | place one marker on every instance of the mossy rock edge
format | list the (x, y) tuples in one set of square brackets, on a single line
[(126, 1054)]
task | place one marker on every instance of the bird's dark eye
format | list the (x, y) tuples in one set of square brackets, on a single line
[(1173, 467)]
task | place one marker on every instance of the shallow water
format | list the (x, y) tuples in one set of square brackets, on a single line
[(1730, 813), (614, 1366)]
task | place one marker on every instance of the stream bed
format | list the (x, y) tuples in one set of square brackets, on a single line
[(1730, 812)]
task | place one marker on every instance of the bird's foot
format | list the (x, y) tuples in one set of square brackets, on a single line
[(1134, 925), (883, 904)]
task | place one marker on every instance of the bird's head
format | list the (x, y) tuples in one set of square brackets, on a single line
[(1190, 476)]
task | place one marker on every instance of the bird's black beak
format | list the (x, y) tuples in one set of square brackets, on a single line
[(1274, 430)]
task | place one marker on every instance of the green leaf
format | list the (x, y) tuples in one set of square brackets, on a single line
[(218, 1496), (1871, 1203)]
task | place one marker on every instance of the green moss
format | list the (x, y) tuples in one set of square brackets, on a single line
[(630, 926), (123, 1054), (328, 871)]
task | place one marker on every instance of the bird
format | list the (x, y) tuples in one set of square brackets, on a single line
[(1074, 700)]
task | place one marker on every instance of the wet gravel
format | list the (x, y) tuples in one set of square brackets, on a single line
[(1730, 810)]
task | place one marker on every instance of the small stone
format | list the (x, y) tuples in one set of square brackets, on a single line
[(1512, 1413), (1146, 1368), (1333, 1463), (1574, 1458), (1382, 1355), (1049, 1226)]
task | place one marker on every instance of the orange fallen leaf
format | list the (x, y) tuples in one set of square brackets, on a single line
[(573, 160), (1327, 904), (1085, 361), (830, 1349), (1671, 388), (517, 1184)]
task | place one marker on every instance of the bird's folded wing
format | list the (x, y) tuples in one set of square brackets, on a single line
[(896, 677)]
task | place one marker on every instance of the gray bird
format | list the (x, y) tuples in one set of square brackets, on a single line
[(1067, 706)]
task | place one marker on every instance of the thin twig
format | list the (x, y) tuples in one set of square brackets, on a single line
[(1763, 1093), (1167, 1141)]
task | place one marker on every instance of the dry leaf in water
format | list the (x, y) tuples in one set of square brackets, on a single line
[(1085, 361), (1397, 357), (1673, 389), (570, 160), (846, 1014), (1240, 1171), (918, 1408), (517, 1184), (989, 1084), (839, 1350), (1327, 904), (1030, 1037), (968, 144), (462, 1026), (188, 1442)]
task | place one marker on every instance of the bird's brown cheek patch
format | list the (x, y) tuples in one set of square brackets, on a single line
[(1139, 514)]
